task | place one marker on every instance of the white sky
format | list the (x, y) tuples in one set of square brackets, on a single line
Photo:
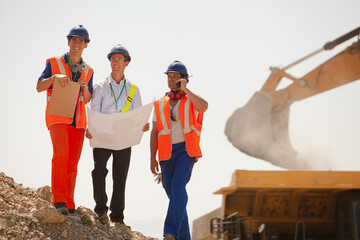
[(227, 45)]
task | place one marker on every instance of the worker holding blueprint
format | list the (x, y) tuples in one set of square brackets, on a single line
[(115, 97)]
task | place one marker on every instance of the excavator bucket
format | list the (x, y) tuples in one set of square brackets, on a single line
[(260, 129)]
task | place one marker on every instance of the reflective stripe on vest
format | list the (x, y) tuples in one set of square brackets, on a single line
[(129, 98), (59, 66), (191, 124), (187, 119)]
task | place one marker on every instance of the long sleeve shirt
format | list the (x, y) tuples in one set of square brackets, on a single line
[(105, 97)]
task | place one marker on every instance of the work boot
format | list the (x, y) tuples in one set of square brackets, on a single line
[(61, 208), (123, 228), (103, 218), (169, 236), (122, 224)]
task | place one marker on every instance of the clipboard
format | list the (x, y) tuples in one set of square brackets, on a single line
[(63, 99)]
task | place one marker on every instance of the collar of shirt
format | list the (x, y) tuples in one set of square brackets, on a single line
[(66, 60), (65, 57), (112, 81)]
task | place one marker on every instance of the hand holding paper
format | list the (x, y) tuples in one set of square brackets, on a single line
[(146, 127), (88, 134), (62, 79)]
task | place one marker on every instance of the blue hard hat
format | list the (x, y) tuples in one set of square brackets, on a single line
[(119, 49), (177, 66), (79, 31)]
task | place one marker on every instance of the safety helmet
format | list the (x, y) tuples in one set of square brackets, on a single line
[(119, 49), (177, 66), (79, 31)]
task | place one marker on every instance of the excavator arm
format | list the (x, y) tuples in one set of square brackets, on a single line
[(260, 128), (339, 70)]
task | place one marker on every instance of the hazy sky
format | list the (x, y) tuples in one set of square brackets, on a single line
[(228, 47)]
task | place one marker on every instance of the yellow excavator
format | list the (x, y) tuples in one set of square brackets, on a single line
[(260, 128)]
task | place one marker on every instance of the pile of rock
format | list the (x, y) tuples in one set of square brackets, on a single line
[(27, 213)]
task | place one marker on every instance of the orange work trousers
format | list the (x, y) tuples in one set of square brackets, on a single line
[(67, 144)]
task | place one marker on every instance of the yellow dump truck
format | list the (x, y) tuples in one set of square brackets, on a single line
[(283, 205)]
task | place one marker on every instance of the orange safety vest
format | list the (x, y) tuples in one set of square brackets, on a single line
[(191, 122), (59, 66)]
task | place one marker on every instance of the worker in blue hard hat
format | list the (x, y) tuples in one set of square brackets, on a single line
[(67, 134), (113, 94), (175, 136)]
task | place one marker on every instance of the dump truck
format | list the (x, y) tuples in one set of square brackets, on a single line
[(284, 205), (260, 128)]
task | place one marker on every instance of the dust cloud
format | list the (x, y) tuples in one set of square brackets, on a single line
[(260, 129)]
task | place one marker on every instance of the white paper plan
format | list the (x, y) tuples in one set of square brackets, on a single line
[(119, 130)]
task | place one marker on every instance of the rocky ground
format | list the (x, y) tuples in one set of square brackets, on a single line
[(27, 213)]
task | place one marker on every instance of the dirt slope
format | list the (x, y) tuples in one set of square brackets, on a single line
[(27, 213)]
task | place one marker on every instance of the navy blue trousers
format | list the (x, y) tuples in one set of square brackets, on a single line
[(176, 173)]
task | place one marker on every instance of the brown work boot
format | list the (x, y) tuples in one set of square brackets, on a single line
[(103, 218), (169, 236), (123, 228), (122, 224)]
